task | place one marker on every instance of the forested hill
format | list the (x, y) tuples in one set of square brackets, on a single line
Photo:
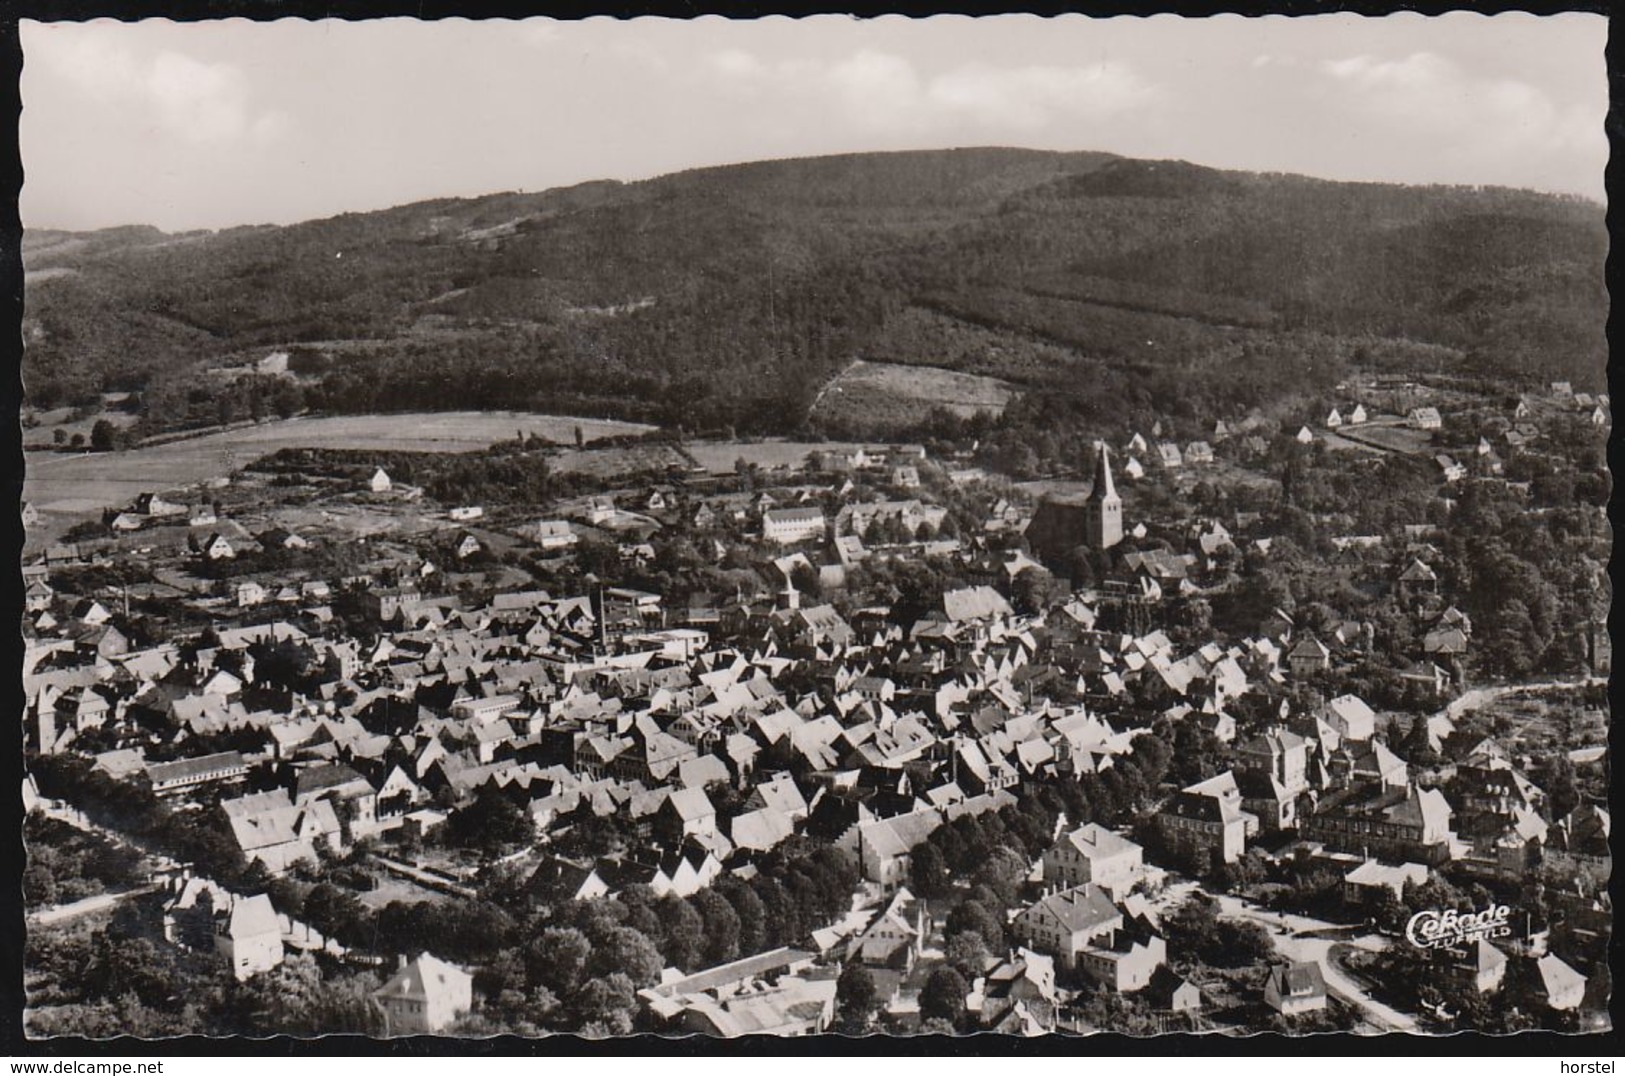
[(728, 296)]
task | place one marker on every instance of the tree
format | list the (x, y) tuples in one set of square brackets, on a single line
[(1241, 943), (855, 995), (607, 1002), (557, 959), (1562, 793), (1192, 928), (1003, 872), (103, 436), (491, 823), (721, 926), (927, 873), (1033, 590), (684, 943), (624, 950), (943, 997), (967, 953), (748, 907), (972, 917)]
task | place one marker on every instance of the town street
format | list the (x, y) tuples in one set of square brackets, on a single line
[(1474, 698), (61, 913)]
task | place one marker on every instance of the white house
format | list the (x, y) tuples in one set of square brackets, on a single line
[(1292, 989), (425, 996), (248, 935), (1424, 418), (789, 525)]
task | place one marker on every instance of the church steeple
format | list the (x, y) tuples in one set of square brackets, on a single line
[(1104, 513), (1104, 489)]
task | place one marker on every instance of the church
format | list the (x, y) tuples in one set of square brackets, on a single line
[(1094, 520)]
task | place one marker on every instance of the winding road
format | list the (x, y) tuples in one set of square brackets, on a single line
[(1287, 931)]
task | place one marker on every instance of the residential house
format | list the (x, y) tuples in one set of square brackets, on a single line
[(271, 829), (1128, 959), (1351, 717), (552, 534), (896, 937), (1424, 418), (1094, 854), (1206, 821), (1409, 824), (1361, 884), (688, 811), (1295, 989), (1170, 994), (1309, 657), (425, 996), (1560, 986), (1479, 967), (1063, 924), (216, 547), (1018, 995), (1417, 579), (248, 934)]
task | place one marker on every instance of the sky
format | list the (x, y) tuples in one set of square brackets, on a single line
[(215, 124)]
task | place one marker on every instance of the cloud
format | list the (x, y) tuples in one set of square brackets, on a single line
[(884, 91), (538, 31), (1431, 95), (1033, 97), (736, 63), (197, 101), (201, 102)]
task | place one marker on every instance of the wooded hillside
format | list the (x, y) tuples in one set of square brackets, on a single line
[(728, 296)]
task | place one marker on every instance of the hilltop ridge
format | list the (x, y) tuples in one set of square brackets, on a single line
[(730, 295)]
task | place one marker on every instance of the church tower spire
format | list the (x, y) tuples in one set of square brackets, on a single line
[(1104, 515)]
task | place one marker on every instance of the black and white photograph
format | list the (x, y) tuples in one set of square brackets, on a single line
[(834, 526)]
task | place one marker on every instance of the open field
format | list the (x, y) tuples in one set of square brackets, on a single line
[(613, 462), (392, 887), (43, 435), (879, 392), (1401, 439), (67, 487), (719, 457)]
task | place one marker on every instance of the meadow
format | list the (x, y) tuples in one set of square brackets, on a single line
[(69, 487), (879, 395)]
